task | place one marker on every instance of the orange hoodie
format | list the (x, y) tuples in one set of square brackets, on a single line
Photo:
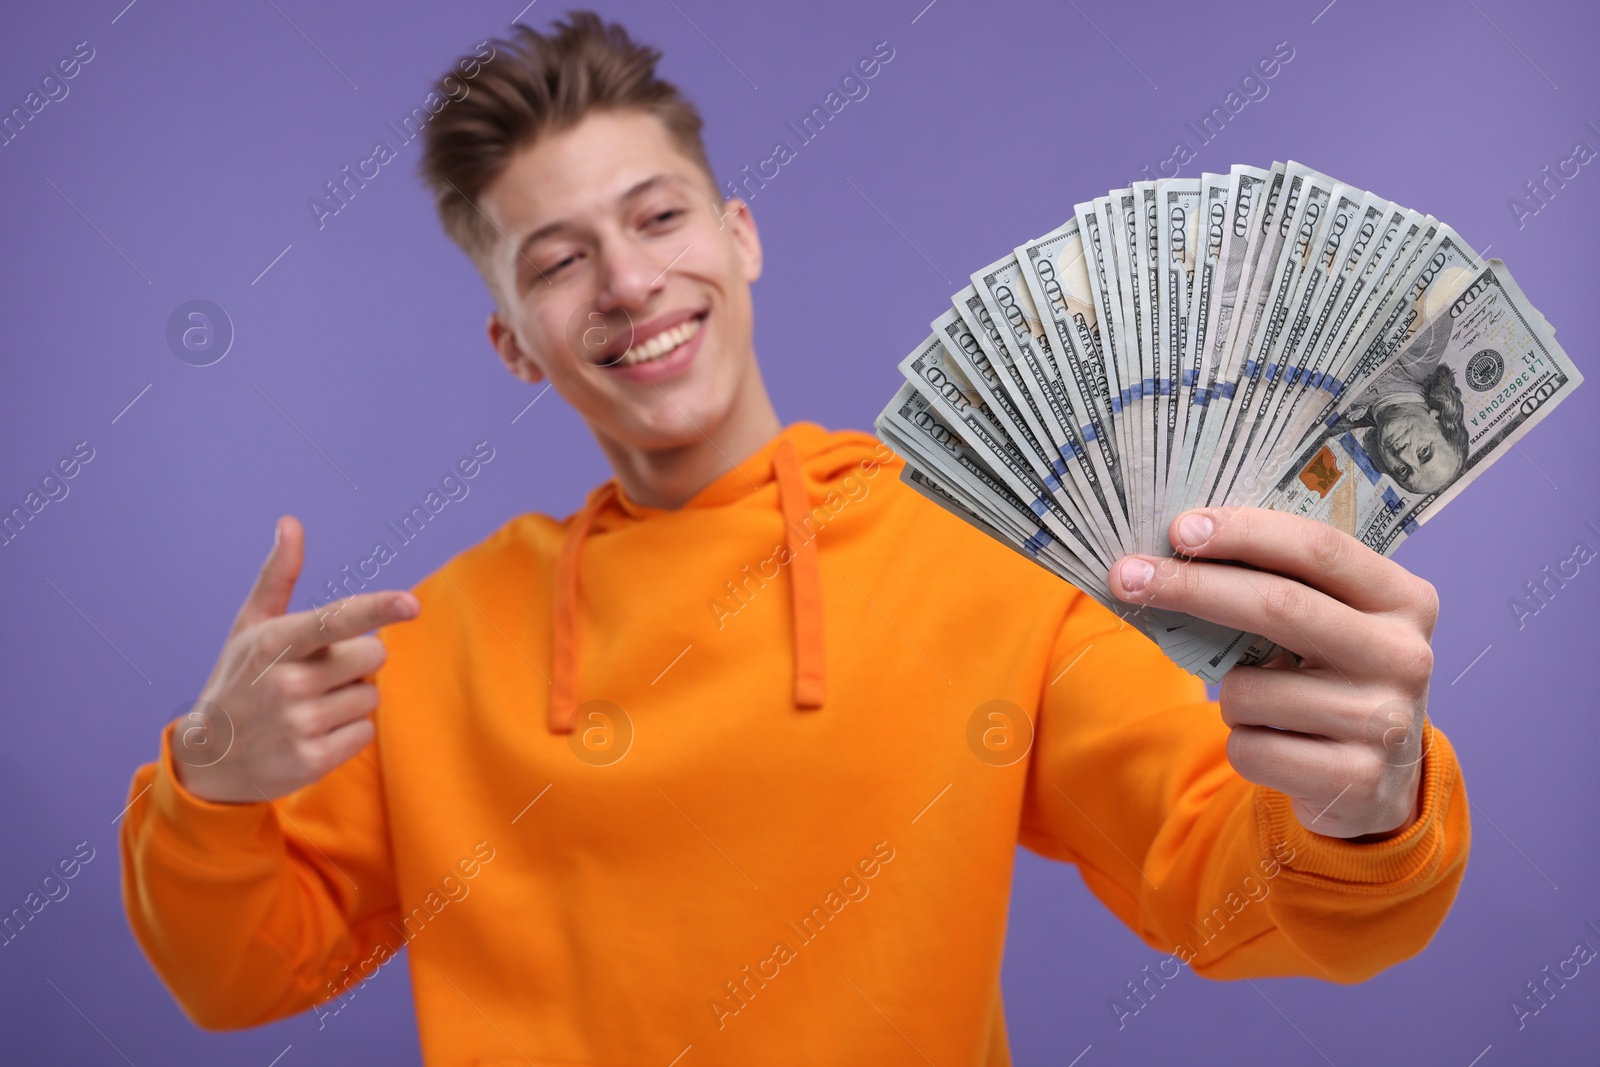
[(741, 783)]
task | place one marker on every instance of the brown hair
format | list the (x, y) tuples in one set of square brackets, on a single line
[(537, 84)]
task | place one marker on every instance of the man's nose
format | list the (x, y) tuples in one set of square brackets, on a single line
[(629, 275)]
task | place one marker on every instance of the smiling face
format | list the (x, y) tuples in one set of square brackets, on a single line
[(1410, 445), (623, 279)]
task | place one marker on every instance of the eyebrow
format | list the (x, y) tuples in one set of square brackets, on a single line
[(638, 189)]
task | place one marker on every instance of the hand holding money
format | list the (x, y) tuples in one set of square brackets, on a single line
[(1339, 726), (1308, 368)]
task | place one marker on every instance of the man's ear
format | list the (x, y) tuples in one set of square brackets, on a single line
[(742, 227), (504, 340)]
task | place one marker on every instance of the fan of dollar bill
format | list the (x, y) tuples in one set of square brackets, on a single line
[(1272, 338)]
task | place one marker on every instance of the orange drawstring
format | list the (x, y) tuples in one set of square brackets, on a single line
[(805, 579), (564, 666)]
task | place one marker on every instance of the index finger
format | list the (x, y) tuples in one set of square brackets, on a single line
[(1327, 559), (308, 631)]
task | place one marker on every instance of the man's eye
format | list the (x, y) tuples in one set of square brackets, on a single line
[(1425, 453), (666, 216)]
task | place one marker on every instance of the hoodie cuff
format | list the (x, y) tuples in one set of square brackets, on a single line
[(1371, 866), (201, 829)]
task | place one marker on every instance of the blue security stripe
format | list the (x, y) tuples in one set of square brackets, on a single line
[(1272, 371), (1037, 543), (1225, 390), (1052, 483), (1202, 397), (1189, 378), (1087, 432), (1359, 454), (1148, 386), (1250, 366), (1039, 506), (1059, 468)]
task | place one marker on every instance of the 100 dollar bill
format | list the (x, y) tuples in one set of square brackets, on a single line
[(1469, 384)]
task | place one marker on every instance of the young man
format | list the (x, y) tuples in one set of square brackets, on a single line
[(730, 765)]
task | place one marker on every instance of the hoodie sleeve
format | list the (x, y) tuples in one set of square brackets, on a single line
[(252, 912), (1130, 781)]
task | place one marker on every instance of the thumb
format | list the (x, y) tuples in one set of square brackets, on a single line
[(275, 583)]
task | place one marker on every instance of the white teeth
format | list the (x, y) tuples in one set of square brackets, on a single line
[(661, 344)]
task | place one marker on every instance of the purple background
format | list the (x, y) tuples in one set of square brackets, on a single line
[(189, 147)]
